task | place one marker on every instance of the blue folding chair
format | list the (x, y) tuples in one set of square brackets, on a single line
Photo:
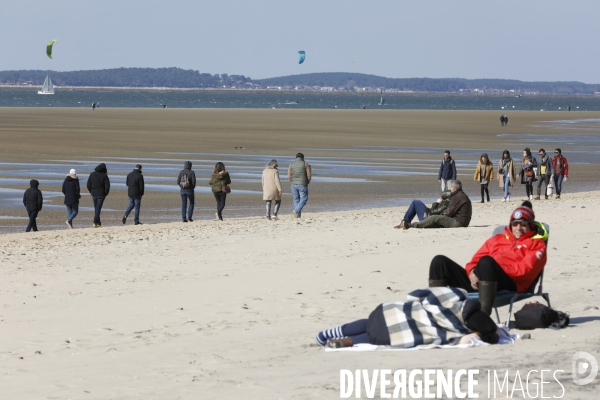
[(505, 297)]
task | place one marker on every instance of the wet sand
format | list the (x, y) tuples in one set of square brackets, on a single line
[(49, 135)]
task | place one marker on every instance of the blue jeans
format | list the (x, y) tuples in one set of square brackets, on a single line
[(98, 202), (32, 224), (185, 196), (300, 196), (558, 178), (134, 202), (417, 207), (72, 210), (506, 185)]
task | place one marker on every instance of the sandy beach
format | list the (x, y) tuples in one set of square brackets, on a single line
[(361, 158), (230, 310)]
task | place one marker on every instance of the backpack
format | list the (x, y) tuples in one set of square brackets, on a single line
[(184, 183)]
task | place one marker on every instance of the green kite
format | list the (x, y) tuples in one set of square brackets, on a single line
[(49, 47)]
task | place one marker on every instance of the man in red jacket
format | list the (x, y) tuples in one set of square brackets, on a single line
[(510, 261)]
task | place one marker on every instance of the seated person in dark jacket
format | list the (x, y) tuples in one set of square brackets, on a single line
[(456, 215), (419, 209)]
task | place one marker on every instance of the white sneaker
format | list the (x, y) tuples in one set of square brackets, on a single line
[(503, 200), (507, 198), (531, 197)]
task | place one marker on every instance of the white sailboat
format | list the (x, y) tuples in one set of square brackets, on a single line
[(47, 87)]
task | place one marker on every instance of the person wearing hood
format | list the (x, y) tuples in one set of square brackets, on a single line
[(220, 181), (187, 182), (511, 260), (72, 192), (98, 185), (271, 188), (135, 191), (32, 200), (447, 172)]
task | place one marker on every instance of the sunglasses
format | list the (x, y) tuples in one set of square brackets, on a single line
[(556, 152), (519, 222)]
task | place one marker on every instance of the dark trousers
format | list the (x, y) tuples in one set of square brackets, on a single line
[(220, 197), (98, 202), (542, 179), (416, 208), (558, 178), (487, 270), (529, 188), (32, 224), (134, 202), (185, 196), (484, 190)]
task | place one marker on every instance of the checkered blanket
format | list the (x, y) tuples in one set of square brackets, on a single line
[(428, 316)]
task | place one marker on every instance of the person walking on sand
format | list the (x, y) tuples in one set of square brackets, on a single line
[(94, 106), (135, 191), (33, 201), (502, 119), (560, 171), (271, 188), (72, 192), (544, 174), (447, 172), (187, 182), (220, 182), (527, 173), (506, 174), (299, 174), (484, 173), (98, 185)]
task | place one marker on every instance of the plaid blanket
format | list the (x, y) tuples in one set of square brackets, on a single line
[(429, 316)]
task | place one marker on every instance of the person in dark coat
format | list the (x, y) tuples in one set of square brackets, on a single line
[(98, 185), (71, 190), (32, 200), (187, 182), (135, 191)]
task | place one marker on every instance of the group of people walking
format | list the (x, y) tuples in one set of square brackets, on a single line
[(98, 185), (549, 171)]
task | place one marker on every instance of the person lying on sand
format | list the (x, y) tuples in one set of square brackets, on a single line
[(509, 261), (420, 210), (456, 215), (438, 315)]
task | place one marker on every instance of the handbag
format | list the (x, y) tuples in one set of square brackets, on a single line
[(225, 188), (536, 315), (550, 188)]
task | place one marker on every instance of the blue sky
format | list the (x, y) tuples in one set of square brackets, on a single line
[(529, 40)]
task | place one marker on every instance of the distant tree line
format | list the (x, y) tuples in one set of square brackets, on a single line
[(128, 77), (180, 78)]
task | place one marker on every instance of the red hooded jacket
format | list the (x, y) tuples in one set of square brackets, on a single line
[(522, 259)]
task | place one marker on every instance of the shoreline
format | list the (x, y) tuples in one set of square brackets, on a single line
[(375, 93)]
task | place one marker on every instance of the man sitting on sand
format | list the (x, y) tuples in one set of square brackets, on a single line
[(457, 215), (509, 261), (418, 209)]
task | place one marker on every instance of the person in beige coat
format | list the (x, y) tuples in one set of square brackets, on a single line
[(484, 173), (506, 173), (271, 188)]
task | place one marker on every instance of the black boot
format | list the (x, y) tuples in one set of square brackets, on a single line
[(487, 295), (437, 283)]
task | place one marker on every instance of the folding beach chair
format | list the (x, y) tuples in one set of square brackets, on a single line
[(505, 297)]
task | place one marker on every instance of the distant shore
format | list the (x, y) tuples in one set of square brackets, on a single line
[(272, 91)]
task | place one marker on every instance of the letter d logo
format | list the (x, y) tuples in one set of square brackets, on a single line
[(584, 368)]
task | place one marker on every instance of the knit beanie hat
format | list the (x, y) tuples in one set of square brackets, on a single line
[(72, 172), (524, 213)]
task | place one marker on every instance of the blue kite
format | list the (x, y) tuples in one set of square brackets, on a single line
[(302, 56)]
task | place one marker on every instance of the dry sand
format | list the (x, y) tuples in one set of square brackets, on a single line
[(230, 310)]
